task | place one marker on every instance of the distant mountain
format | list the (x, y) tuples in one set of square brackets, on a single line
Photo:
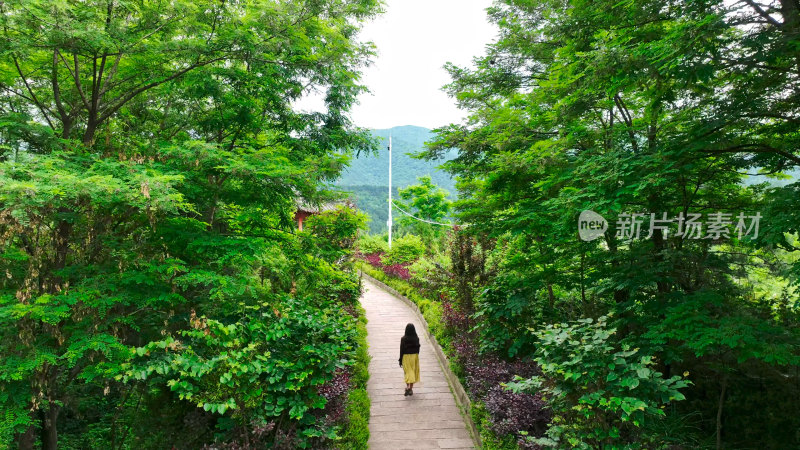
[(367, 178), (373, 200), (373, 170)]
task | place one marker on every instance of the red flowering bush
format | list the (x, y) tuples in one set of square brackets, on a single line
[(374, 259), (398, 271)]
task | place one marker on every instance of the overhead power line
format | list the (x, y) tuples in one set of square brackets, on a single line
[(424, 220)]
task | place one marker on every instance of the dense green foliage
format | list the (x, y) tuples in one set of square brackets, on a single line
[(155, 293), (356, 435), (370, 243), (637, 107), (356, 432), (405, 250), (599, 392), (429, 206)]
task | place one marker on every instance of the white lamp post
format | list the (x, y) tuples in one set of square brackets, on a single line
[(389, 222)]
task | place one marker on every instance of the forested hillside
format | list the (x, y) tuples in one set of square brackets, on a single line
[(374, 201), (367, 177), (373, 169)]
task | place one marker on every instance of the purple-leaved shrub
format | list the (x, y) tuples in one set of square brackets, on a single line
[(335, 392), (393, 270), (374, 259), (510, 413), (397, 271)]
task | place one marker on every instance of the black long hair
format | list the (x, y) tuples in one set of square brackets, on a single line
[(411, 334)]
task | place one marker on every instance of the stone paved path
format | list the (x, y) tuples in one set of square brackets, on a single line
[(430, 418)]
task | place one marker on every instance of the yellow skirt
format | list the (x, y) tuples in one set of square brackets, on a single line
[(411, 367)]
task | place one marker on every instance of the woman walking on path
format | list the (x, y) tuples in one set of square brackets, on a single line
[(409, 357)]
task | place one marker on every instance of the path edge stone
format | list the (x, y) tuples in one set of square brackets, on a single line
[(460, 395)]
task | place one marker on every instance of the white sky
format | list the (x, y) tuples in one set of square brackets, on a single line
[(414, 39)]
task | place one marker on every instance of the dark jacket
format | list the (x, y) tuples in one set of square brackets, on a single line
[(409, 344)]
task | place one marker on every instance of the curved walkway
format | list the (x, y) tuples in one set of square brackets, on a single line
[(430, 418)]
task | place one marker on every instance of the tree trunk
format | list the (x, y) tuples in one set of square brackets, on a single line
[(49, 432), (583, 278), (719, 410), (89, 134), (26, 440), (66, 128)]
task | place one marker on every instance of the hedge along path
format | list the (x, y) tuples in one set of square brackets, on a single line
[(430, 418)]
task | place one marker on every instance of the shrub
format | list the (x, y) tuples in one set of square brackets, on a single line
[(361, 367), (515, 412), (339, 286), (263, 373), (356, 431), (455, 319), (335, 231), (431, 274), (421, 271), (397, 271), (432, 312), (489, 439), (374, 259), (372, 244), (506, 417), (504, 312), (600, 393), (334, 391), (405, 250), (485, 371)]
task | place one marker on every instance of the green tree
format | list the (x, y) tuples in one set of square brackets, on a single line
[(336, 231), (428, 202), (156, 161), (637, 107)]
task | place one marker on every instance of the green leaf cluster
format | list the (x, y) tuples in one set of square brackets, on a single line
[(600, 393)]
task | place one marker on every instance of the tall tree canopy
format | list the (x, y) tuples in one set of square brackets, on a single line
[(151, 159), (625, 107)]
